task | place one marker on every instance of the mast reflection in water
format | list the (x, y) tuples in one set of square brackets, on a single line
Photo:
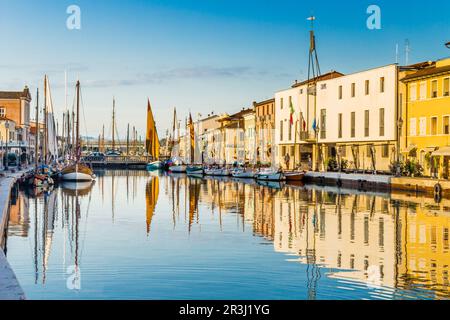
[(134, 235)]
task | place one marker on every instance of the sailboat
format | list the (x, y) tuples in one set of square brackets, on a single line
[(193, 169), (177, 165), (152, 140), (77, 171)]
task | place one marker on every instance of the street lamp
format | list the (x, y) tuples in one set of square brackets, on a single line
[(7, 138)]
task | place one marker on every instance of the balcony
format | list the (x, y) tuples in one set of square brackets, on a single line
[(307, 136)]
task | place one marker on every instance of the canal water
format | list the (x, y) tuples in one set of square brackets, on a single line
[(136, 235)]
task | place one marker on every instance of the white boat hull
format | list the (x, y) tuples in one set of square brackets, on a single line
[(178, 169), (270, 176), (77, 176), (217, 172), (243, 175)]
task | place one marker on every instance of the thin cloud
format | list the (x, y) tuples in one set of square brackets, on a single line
[(202, 72)]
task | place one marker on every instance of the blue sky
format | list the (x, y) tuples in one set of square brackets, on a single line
[(200, 55)]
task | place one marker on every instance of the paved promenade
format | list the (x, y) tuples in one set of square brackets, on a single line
[(10, 288)]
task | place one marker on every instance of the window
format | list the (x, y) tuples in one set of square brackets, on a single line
[(353, 90), (446, 128), (385, 151), (382, 84), (340, 92), (412, 127), (301, 91), (366, 123), (281, 103), (281, 130), (353, 124), (381, 122), (367, 87), (2, 112), (323, 86), (323, 124), (340, 125), (434, 89), (446, 89), (434, 126), (413, 92), (423, 126), (423, 91)]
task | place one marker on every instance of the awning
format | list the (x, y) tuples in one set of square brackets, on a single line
[(429, 149), (411, 148), (444, 151)]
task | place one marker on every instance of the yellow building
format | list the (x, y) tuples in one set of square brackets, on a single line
[(426, 104)]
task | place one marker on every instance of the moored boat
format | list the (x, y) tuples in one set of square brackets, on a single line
[(270, 175), (77, 172), (243, 173), (219, 172), (194, 169), (294, 175), (156, 165), (178, 168)]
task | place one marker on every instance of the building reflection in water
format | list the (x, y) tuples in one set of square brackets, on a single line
[(360, 239), (376, 240)]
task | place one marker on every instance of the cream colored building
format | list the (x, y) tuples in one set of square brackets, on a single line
[(357, 119), (297, 139)]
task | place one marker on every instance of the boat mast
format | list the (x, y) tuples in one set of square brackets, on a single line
[(114, 125), (77, 150), (45, 121), (36, 143), (128, 140)]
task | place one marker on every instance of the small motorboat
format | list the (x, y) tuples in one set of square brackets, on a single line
[(178, 169), (194, 170), (270, 175), (156, 165), (294, 175), (242, 173), (218, 172)]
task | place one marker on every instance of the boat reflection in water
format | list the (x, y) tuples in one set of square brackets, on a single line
[(192, 238)]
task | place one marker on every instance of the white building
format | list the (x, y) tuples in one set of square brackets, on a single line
[(357, 117), (298, 138)]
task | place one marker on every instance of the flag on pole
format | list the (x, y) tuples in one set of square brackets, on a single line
[(314, 126), (292, 113)]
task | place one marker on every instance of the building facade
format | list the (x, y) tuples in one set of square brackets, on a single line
[(265, 130), (295, 110), (426, 104), (357, 120), (16, 107)]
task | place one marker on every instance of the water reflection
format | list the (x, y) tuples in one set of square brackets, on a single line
[(392, 246)]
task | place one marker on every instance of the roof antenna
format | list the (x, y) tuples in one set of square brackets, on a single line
[(407, 51)]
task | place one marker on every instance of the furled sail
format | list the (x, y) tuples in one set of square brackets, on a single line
[(152, 140), (52, 146)]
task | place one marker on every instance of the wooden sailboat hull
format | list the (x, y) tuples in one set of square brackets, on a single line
[(77, 172), (294, 176), (77, 176)]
